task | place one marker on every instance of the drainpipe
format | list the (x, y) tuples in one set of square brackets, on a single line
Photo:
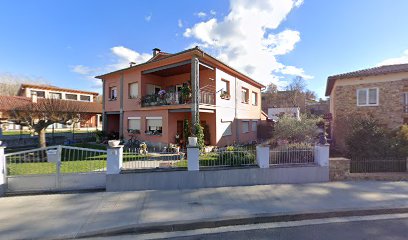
[(121, 108), (236, 111)]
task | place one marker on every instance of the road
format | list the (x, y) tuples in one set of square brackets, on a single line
[(370, 230), (393, 228)]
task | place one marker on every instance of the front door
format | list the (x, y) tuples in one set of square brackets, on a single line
[(180, 132)]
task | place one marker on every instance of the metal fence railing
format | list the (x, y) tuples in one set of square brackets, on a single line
[(292, 154), (154, 158), (370, 165), (49, 161), (232, 156)]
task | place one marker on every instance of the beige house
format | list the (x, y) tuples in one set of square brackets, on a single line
[(381, 92)]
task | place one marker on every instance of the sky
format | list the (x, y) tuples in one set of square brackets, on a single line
[(68, 43)]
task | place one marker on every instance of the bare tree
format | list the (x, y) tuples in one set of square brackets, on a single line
[(39, 115), (10, 83)]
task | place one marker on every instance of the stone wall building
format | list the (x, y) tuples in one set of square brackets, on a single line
[(380, 92)]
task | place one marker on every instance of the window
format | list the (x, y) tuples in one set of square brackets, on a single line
[(133, 90), (225, 91), (154, 125), (153, 89), (69, 96), (245, 126), (40, 94), (244, 95), (254, 99), (133, 124), (254, 126), (85, 98), (228, 128), (55, 95), (113, 93), (367, 97)]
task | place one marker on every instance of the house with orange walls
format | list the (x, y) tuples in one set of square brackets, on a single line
[(152, 100)]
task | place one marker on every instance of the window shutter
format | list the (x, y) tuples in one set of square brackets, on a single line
[(134, 90)]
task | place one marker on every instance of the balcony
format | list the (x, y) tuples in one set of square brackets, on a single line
[(163, 98)]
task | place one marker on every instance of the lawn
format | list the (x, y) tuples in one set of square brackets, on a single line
[(50, 168)]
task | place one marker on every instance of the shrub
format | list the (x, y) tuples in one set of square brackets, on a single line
[(368, 139), (296, 131), (199, 131)]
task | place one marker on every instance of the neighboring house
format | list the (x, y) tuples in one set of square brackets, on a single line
[(380, 91), (153, 99), (284, 99), (26, 92), (276, 113), (318, 108)]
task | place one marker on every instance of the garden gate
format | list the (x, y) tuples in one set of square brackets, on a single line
[(55, 168)]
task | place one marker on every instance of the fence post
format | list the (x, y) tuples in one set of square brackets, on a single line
[(262, 156), (193, 155), (114, 159), (321, 154), (2, 172)]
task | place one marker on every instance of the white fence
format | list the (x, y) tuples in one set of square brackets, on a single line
[(153, 158), (292, 154)]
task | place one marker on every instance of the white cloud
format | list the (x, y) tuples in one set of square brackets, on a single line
[(213, 12), (244, 38), (180, 23), (148, 18), (201, 14), (120, 56), (81, 69), (397, 60), (298, 3), (291, 70)]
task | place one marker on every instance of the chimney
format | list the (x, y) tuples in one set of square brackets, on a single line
[(155, 51), (34, 97)]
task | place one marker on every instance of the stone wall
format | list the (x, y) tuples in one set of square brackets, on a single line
[(340, 171), (389, 111)]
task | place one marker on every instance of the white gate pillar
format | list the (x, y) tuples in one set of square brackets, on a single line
[(3, 182), (262, 156), (193, 155), (321, 154), (114, 159)]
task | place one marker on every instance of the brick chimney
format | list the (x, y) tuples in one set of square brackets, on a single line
[(33, 97), (155, 51)]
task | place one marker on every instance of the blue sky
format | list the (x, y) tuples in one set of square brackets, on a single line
[(65, 43)]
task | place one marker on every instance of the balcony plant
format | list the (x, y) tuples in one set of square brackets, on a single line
[(225, 95), (185, 93)]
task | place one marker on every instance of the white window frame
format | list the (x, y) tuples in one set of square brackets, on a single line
[(111, 95), (84, 96), (252, 125), (134, 118), (154, 118), (254, 103), (242, 126), (367, 90), (130, 90)]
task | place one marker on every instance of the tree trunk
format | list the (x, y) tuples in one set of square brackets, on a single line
[(41, 137)]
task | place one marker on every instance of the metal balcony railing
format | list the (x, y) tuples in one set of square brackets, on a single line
[(175, 98)]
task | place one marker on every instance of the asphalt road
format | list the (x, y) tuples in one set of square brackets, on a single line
[(395, 229)]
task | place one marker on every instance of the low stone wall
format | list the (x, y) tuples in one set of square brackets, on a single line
[(166, 180), (340, 171)]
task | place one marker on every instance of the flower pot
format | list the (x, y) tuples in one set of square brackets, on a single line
[(113, 143), (192, 141)]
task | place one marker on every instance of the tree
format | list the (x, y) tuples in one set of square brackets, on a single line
[(295, 89), (45, 112), (271, 88)]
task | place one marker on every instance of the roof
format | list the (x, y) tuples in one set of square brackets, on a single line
[(49, 87), (167, 55), (8, 103), (386, 69)]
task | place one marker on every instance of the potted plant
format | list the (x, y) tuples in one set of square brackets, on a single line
[(225, 95), (185, 93)]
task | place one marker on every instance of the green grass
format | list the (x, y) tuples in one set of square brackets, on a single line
[(50, 168)]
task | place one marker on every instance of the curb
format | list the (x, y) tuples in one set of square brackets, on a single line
[(161, 227)]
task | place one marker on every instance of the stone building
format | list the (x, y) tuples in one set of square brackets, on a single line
[(379, 92)]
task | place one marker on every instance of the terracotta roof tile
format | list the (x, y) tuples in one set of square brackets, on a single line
[(365, 72)]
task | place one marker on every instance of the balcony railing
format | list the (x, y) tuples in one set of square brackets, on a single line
[(175, 98), (406, 108)]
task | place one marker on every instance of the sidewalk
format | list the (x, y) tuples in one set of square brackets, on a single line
[(70, 215)]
